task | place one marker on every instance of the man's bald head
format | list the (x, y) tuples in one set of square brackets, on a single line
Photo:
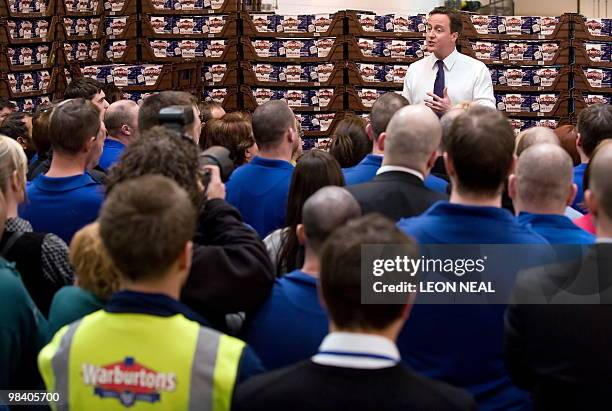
[(544, 179), (600, 183), (383, 110), (271, 120), (533, 136), (327, 209), (413, 134), (121, 113)]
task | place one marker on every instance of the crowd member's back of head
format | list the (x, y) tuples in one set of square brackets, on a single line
[(162, 151), (41, 258), (599, 194), (113, 93), (40, 138), (567, 136), (357, 364), (67, 197), (274, 129), (535, 135), (18, 126), (209, 110), (148, 114), (350, 142), (315, 169), (410, 144), (96, 280), (289, 327), (161, 219), (6, 108), (121, 120), (88, 89), (234, 132)]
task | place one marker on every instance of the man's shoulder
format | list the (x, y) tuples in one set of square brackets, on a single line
[(471, 61), (437, 394)]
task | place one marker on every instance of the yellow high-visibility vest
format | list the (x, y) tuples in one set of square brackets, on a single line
[(118, 361)]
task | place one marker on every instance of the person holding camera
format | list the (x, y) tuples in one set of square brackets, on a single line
[(231, 270)]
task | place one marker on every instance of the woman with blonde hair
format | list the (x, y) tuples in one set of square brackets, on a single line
[(97, 279), (40, 258)]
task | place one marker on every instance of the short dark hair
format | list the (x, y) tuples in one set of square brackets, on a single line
[(5, 103), (83, 87), (481, 146), (383, 109), (340, 276), (40, 130), (113, 93), (350, 142), (162, 151), (149, 109), (72, 124), (232, 131), (594, 126), (145, 223), (271, 120), (117, 116), (206, 109), (456, 21), (14, 125)]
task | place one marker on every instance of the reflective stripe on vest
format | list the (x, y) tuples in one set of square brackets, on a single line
[(211, 374)]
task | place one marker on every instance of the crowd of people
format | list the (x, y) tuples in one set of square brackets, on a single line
[(132, 275)]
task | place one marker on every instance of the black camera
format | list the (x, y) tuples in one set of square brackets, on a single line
[(176, 117)]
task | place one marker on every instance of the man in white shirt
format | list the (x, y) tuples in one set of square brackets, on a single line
[(461, 78)]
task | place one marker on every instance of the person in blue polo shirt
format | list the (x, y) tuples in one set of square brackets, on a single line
[(541, 189), (383, 109), (290, 326), (67, 197), (462, 344), (259, 189), (121, 121)]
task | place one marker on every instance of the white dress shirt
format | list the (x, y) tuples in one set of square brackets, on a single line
[(355, 350), (467, 79), (385, 169)]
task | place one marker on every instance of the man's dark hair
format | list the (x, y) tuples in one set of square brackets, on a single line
[(341, 272), (113, 93), (327, 209), (271, 121), (5, 103), (83, 87), (72, 124), (456, 21), (162, 151), (594, 126), (383, 109), (206, 109), (118, 115), (145, 223), (14, 125), (149, 109), (481, 146)]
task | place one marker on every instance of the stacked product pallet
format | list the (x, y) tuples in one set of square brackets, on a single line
[(529, 62), (380, 49), (299, 59), (592, 68), (29, 52)]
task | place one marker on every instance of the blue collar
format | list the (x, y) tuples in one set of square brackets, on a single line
[(372, 160), (266, 162), (159, 305), (548, 220), (112, 143), (42, 182), (301, 277), (443, 208)]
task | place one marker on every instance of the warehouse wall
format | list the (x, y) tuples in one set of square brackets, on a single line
[(330, 6), (545, 8)]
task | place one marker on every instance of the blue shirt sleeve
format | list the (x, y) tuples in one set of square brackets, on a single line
[(250, 365)]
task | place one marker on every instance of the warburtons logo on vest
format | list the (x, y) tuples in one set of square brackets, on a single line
[(128, 381)]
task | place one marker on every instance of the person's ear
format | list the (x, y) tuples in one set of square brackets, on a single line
[(455, 36), (89, 144), (185, 258), (370, 132), (22, 142), (300, 232), (512, 165), (592, 204), (380, 141), (512, 187), (572, 194), (15, 182), (431, 161), (578, 140), (125, 130)]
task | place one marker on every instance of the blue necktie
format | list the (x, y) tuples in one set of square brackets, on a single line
[(439, 83)]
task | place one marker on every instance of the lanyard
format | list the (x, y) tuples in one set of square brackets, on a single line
[(359, 355)]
